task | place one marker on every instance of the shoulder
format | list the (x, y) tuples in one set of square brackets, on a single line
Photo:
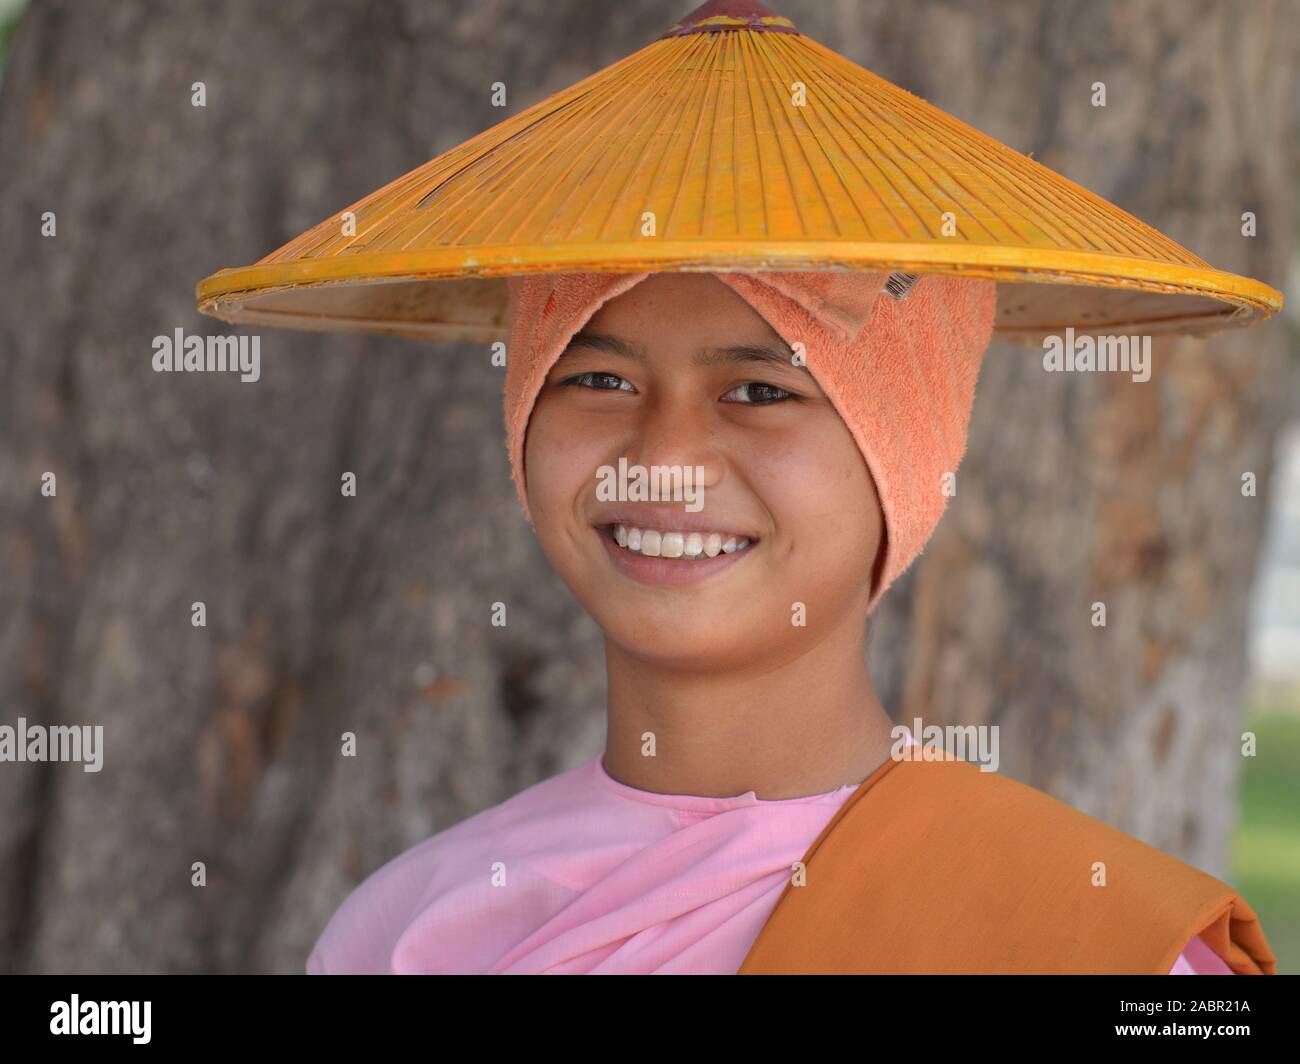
[(1021, 822), (1041, 842), (1079, 887), (940, 866), (359, 936)]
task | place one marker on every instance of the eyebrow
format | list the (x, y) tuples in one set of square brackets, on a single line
[(769, 353)]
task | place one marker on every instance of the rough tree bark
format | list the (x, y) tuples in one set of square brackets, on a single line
[(370, 615), (1081, 489)]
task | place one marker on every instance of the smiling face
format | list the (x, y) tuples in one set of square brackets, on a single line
[(680, 371)]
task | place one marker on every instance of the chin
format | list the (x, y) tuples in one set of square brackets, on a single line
[(684, 637), (681, 654)]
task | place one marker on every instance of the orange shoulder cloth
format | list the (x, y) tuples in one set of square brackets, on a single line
[(937, 867)]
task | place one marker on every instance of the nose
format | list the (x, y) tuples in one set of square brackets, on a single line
[(674, 429)]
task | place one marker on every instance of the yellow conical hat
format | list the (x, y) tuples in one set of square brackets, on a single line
[(733, 142)]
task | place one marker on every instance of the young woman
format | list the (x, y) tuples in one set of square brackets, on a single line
[(754, 800)]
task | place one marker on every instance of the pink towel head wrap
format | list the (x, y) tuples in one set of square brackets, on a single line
[(899, 369)]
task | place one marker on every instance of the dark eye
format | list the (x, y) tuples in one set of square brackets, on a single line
[(756, 393), (601, 382)]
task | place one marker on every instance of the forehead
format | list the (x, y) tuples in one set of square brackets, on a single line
[(701, 320), (695, 303)]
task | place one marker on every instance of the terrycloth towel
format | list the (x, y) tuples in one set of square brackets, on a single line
[(897, 356)]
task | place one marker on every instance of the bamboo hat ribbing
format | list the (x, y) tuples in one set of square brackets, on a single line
[(733, 142)]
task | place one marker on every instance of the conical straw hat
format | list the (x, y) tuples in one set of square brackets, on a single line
[(733, 142)]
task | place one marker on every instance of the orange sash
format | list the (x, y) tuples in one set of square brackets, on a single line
[(937, 867)]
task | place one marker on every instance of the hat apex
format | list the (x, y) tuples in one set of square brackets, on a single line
[(716, 15)]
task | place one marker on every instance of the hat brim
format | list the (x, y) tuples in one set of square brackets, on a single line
[(438, 295)]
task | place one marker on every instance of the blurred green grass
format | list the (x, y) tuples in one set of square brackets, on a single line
[(1266, 845), (10, 12)]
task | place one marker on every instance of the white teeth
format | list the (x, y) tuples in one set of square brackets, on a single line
[(653, 543)]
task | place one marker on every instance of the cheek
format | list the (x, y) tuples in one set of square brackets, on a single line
[(820, 494), (560, 460)]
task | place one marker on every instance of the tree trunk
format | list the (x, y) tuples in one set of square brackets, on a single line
[(370, 615), (1081, 489)]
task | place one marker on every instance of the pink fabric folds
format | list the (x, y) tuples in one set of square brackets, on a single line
[(900, 370), (582, 874)]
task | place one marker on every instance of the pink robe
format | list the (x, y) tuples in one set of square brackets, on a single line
[(581, 874)]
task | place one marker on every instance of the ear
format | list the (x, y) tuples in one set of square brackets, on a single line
[(878, 567)]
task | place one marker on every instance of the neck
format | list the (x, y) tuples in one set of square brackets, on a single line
[(782, 728)]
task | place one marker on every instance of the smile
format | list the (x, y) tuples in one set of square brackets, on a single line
[(672, 558), (658, 543)]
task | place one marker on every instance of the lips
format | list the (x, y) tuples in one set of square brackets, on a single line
[(677, 568)]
